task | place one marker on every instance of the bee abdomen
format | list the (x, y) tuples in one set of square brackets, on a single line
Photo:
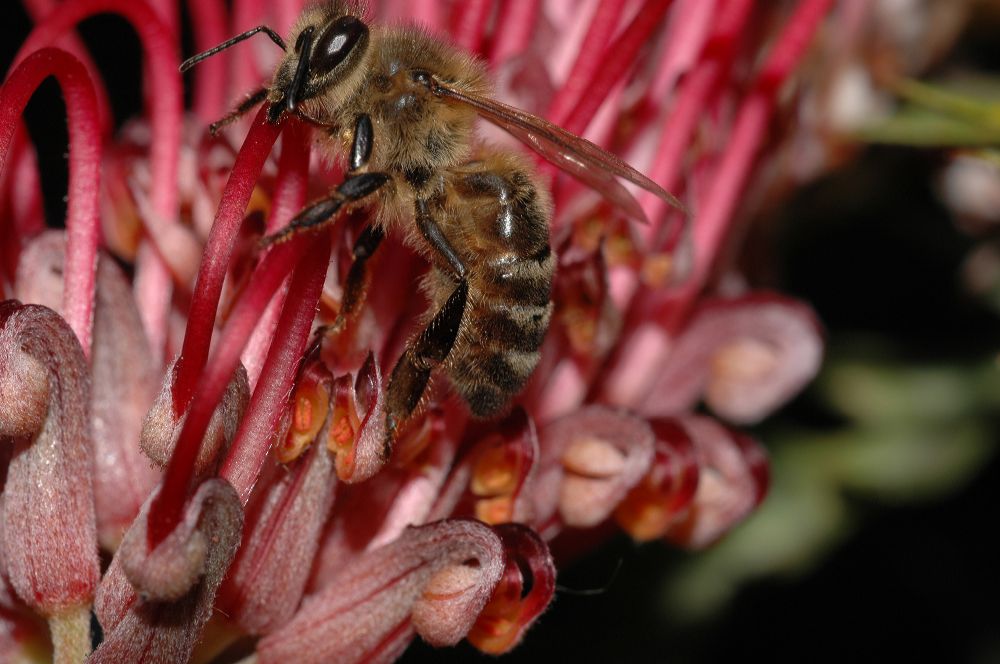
[(500, 351)]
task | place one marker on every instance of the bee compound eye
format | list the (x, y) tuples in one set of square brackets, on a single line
[(337, 42)]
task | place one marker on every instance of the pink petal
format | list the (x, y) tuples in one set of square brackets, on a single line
[(48, 512), (732, 483), (177, 581), (746, 356), (434, 581)]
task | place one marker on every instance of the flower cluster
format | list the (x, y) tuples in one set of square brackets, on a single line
[(177, 418)]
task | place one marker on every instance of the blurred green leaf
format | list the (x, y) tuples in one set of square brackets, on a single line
[(960, 113), (914, 434)]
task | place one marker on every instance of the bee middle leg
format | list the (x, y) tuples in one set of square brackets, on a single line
[(431, 347), (356, 284)]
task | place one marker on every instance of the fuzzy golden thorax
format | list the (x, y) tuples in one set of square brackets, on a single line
[(415, 132)]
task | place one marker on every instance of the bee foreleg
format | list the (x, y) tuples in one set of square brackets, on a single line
[(319, 213), (254, 98)]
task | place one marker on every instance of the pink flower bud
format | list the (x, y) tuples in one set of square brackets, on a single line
[(433, 581), (596, 455), (746, 356), (265, 583), (733, 481), (122, 375), (152, 605), (161, 428), (49, 529)]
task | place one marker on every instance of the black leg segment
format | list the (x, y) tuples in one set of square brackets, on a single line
[(361, 146), (413, 370), (435, 237), (356, 284), (354, 189), (254, 98)]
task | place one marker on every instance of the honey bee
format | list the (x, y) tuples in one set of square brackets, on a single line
[(401, 105)]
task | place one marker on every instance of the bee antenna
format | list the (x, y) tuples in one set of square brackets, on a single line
[(586, 592), (195, 59)]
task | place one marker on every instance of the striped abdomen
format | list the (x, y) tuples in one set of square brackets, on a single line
[(501, 228)]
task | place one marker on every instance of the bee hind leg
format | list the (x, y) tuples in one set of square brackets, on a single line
[(431, 347), (413, 370)]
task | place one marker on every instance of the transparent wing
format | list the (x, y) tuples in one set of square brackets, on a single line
[(577, 156)]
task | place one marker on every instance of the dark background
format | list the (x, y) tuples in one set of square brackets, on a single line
[(914, 583)]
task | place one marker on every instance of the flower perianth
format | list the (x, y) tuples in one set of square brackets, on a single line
[(152, 604), (526, 588), (487, 482), (123, 379), (433, 580), (664, 496), (733, 480), (745, 356), (84, 171), (266, 581), (48, 508), (591, 458)]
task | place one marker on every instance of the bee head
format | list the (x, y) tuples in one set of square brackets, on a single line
[(324, 55)]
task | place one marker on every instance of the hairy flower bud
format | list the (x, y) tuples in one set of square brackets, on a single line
[(49, 527)]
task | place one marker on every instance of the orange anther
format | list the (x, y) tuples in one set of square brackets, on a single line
[(495, 510), (495, 471), (310, 403), (498, 625)]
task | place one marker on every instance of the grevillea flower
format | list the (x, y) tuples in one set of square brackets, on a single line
[(177, 416)]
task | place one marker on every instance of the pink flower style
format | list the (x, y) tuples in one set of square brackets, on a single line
[(178, 420)]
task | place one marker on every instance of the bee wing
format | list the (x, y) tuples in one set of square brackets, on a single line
[(577, 156)]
